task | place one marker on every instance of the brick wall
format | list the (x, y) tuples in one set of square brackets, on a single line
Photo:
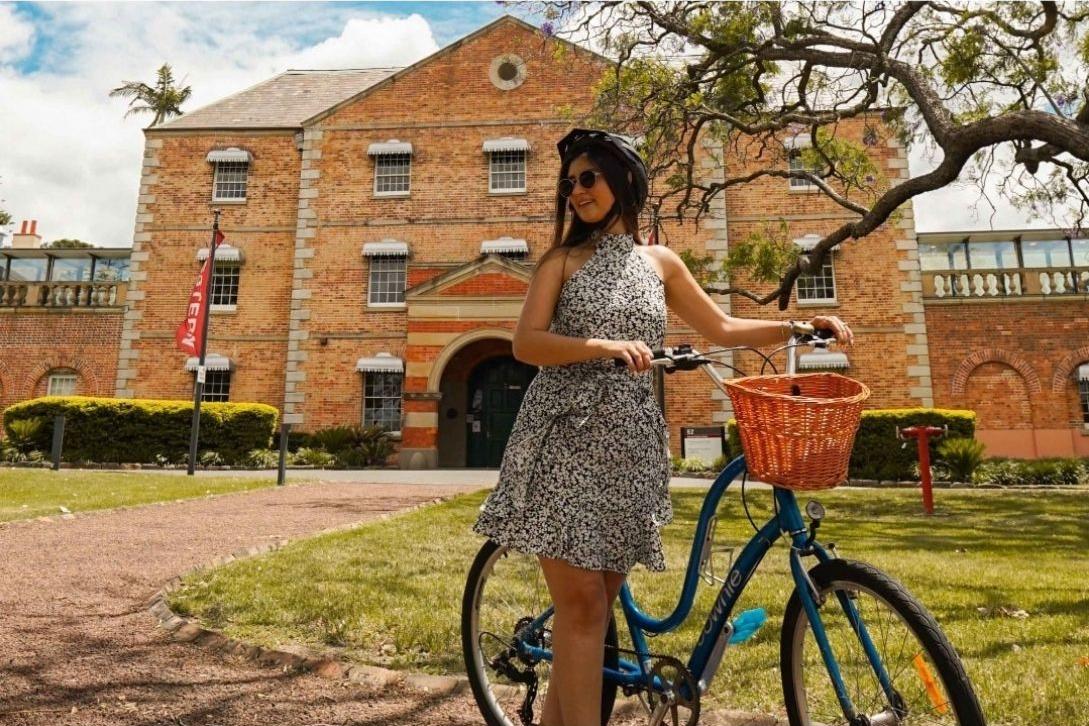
[(37, 342), (1014, 364), (178, 216)]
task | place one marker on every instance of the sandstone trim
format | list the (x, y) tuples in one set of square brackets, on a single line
[(717, 245), (919, 378), (299, 316), (129, 355)]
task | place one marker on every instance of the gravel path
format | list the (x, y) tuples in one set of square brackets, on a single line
[(77, 645)]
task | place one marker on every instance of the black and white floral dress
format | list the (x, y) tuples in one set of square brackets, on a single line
[(585, 474)]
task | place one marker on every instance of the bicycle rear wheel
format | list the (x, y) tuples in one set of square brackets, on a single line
[(929, 683), (504, 590)]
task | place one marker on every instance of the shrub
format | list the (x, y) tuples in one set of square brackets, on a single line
[(877, 454), (24, 432), (354, 446), (262, 459), (960, 457), (1032, 472), (313, 457), (141, 430)]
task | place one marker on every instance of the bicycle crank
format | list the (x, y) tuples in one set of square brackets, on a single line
[(679, 702)]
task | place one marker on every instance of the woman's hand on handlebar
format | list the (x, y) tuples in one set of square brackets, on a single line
[(635, 354), (843, 333)]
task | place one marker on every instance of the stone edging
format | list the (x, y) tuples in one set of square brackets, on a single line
[(182, 629)]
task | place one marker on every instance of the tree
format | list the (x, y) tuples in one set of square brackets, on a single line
[(68, 244), (164, 99), (989, 88)]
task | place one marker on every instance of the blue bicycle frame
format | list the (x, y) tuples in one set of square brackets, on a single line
[(708, 651)]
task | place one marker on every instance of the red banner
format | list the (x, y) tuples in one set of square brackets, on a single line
[(187, 336)]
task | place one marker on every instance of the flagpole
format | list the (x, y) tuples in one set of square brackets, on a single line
[(198, 385)]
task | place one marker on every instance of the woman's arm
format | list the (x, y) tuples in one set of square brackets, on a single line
[(533, 343), (686, 298)]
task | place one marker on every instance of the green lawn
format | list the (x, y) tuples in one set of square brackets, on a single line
[(390, 592), (28, 493)]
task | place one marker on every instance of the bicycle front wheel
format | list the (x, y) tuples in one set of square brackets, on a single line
[(505, 590), (925, 680)]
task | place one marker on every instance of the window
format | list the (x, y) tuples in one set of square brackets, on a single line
[(943, 256), (507, 171), (1083, 391), (819, 286), (1080, 248), (112, 269), (27, 269), (225, 284), (230, 181), (387, 280), (797, 163), (71, 269), (392, 173), (382, 400), (61, 383), (993, 255), (1045, 253), (217, 386)]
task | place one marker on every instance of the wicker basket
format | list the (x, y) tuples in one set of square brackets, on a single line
[(798, 430)]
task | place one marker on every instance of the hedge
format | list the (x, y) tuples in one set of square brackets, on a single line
[(877, 453), (115, 430)]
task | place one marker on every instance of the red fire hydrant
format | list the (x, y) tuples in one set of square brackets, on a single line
[(922, 435)]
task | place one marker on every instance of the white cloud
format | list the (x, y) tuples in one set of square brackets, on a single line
[(16, 34), (72, 161)]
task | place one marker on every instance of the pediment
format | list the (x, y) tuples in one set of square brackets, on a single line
[(492, 276)]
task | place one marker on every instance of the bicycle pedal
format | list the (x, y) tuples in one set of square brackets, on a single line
[(746, 624)]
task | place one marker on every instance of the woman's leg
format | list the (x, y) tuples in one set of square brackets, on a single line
[(578, 636)]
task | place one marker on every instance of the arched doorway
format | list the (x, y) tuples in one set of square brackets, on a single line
[(482, 387), (496, 389)]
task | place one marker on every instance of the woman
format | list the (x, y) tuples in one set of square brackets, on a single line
[(584, 480)]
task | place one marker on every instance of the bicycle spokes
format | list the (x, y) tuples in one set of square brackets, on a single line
[(911, 696)]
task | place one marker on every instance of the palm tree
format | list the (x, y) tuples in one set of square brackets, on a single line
[(164, 100)]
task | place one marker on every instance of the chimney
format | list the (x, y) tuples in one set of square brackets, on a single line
[(27, 238)]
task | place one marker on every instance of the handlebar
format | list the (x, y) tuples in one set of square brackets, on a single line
[(684, 357)]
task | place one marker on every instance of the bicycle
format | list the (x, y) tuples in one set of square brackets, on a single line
[(834, 665)]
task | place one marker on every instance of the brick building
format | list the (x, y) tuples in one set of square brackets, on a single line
[(61, 314), (383, 225)]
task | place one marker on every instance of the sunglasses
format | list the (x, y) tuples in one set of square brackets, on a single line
[(586, 179)]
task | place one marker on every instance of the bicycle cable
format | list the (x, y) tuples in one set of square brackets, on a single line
[(745, 501)]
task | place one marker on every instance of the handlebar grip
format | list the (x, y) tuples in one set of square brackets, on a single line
[(657, 353)]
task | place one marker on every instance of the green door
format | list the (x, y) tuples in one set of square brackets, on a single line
[(496, 388)]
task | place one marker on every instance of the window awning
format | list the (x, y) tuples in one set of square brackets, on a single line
[(386, 248), (503, 245), (224, 253), (822, 358), (1083, 372), (393, 146), (381, 363), (797, 141), (232, 154), (808, 242), (212, 362), (507, 143)]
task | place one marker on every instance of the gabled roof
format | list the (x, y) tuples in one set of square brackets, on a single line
[(297, 98), (442, 52), (284, 101), (481, 265)]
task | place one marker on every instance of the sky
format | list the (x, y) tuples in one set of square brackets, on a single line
[(70, 159)]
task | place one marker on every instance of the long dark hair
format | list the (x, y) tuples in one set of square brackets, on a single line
[(626, 206)]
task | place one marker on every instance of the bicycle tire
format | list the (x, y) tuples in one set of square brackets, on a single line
[(479, 674), (858, 578)]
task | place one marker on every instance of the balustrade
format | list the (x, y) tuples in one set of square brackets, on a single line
[(62, 294)]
